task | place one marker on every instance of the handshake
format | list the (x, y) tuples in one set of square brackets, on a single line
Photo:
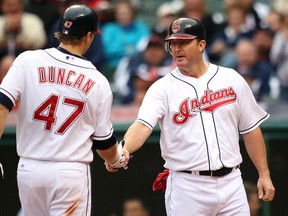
[(120, 162)]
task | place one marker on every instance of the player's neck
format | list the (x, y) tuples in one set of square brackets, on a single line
[(195, 70), (76, 50)]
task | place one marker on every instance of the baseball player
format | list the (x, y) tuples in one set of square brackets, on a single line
[(201, 108), (64, 111)]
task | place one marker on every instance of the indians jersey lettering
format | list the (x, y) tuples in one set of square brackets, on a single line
[(208, 102)]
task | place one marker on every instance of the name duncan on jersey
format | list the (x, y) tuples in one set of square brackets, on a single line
[(62, 76), (209, 102)]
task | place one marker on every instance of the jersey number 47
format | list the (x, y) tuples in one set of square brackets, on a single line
[(46, 113)]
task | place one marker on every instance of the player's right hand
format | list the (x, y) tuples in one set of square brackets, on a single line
[(122, 161), (126, 154)]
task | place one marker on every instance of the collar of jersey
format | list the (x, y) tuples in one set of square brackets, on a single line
[(69, 53)]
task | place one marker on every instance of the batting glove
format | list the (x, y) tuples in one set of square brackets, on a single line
[(120, 163)]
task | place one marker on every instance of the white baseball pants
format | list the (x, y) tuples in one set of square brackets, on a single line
[(188, 194), (54, 188)]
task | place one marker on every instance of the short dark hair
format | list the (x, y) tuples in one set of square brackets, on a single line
[(67, 39)]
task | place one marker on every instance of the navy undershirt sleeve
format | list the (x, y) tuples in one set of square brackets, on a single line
[(5, 101), (104, 144)]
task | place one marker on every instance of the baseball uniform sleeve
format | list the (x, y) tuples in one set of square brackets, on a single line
[(12, 84), (251, 115), (103, 137), (153, 106), (104, 128)]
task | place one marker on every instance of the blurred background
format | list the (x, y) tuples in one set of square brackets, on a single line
[(250, 36)]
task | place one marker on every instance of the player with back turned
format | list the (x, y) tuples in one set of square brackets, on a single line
[(64, 112), (201, 108)]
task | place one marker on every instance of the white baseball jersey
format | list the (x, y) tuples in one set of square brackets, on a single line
[(200, 119), (58, 94)]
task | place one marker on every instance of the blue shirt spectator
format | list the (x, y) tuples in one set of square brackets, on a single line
[(125, 36)]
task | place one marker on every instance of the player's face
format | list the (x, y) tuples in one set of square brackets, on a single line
[(186, 52)]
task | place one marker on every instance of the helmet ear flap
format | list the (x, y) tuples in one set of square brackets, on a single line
[(168, 47)]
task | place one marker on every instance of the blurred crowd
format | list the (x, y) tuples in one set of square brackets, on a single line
[(247, 35)]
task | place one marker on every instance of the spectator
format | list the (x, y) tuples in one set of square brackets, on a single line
[(279, 55), (96, 3), (253, 200), (95, 52), (263, 39), (256, 73), (5, 64), (135, 207), (255, 13), (124, 37), (274, 20), (19, 30), (197, 9), (278, 5), (105, 12), (135, 74), (222, 48), (167, 12), (45, 9)]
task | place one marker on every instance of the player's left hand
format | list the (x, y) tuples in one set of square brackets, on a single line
[(266, 190)]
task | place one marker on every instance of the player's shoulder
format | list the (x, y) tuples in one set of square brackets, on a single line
[(164, 80), (30, 54), (227, 72), (163, 84), (64, 57), (219, 68)]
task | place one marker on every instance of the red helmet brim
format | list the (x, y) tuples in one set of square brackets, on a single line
[(180, 37)]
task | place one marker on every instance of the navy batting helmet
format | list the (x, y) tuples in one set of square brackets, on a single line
[(186, 28), (78, 20)]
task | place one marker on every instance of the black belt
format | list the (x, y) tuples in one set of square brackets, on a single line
[(216, 173)]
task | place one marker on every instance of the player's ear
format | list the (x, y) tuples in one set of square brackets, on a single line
[(90, 35), (201, 45)]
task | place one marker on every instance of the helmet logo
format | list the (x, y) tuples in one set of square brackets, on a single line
[(68, 24), (176, 26)]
